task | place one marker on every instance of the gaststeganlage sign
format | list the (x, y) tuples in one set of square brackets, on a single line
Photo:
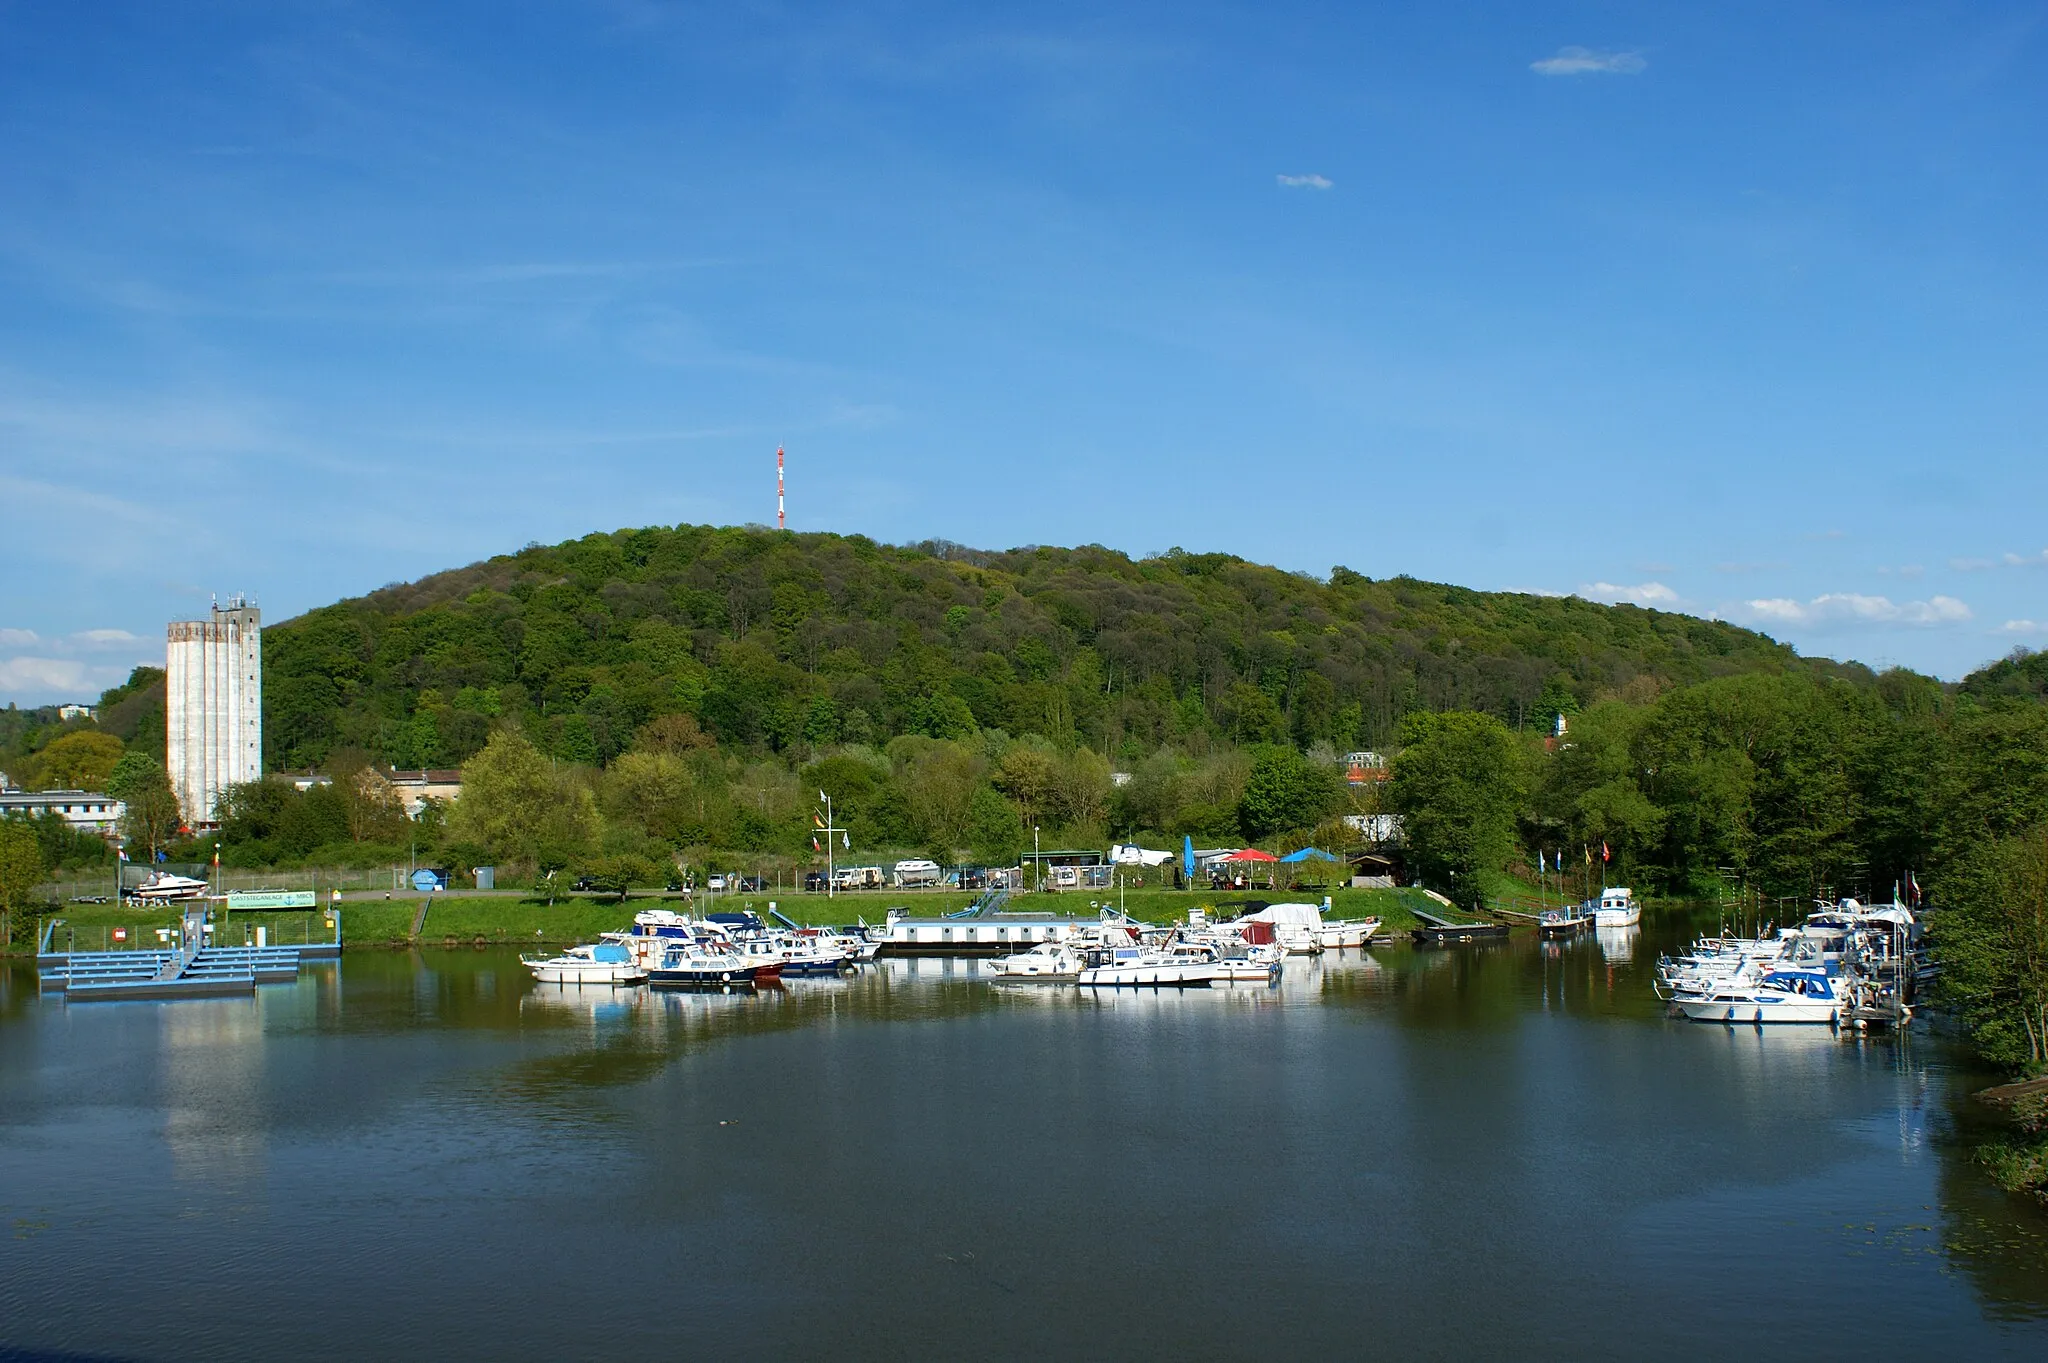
[(270, 899)]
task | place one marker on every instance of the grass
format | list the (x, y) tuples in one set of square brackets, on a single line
[(515, 918)]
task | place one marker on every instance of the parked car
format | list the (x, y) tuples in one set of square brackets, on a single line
[(584, 884), (814, 881), (718, 884), (752, 885)]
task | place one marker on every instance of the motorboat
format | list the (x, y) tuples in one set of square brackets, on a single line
[(606, 963), (1297, 928), (1346, 933), (1253, 965), (1182, 964), (1616, 908), (700, 964), (1046, 963), (1782, 995)]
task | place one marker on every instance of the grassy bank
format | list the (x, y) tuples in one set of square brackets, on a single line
[(517, 919)]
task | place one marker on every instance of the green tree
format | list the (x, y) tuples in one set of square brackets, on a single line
[(150, 815), (21, 870), (1458, 785), (1992, 936), (77, 761), (1287, 791), (516, 806), (994, 830)]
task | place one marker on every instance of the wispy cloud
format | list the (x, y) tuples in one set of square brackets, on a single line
[(2024, 627), (1979, 565), (41, 677), (1304, 181), (105, 638), (1972, 565), (1856, 608), (1642, 594), (17, 638), (1587, 61)]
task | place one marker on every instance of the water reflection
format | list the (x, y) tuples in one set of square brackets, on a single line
[(410, 1117)]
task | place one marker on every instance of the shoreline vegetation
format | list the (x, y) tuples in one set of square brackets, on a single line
[(516, 918), (682, 700)]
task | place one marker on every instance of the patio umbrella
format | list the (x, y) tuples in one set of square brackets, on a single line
[(1310, 854), (1251, 854)]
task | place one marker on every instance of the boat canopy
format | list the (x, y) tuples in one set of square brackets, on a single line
[(611, 953)]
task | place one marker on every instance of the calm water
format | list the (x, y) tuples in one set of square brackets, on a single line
[(1505, 1152)]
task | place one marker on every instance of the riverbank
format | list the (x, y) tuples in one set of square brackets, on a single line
[(514, 918)]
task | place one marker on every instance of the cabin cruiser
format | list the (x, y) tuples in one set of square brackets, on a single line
[(1183, 963), (607, 963), (1616, 908), (1803, 994), (1250, 965), (1046, 963), (1297, 928), (698, 963)]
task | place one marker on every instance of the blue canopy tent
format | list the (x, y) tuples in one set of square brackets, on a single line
[(1310, 854)]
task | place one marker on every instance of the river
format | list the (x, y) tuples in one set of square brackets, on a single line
[(1496, 1152)]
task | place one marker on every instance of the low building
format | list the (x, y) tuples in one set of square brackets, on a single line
[(78, 712), (415, 788), (85, 810)]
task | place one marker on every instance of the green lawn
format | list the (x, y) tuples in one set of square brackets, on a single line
[(515, 918)]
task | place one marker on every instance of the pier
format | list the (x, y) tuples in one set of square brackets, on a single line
[(189, 970)]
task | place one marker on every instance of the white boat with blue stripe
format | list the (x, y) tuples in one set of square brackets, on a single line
[(1797, 995)]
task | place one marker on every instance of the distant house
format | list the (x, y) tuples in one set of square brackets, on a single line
[(85, 810), (1383, 829), (78, 712), (415, 788), (1363, 768)]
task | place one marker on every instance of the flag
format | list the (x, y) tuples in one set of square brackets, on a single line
[(823, 798), (817, 819), (846, 841), (815, 847), (1539, 861), (1589, 855), (1604, 856)]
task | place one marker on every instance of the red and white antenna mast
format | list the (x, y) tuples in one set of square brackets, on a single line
[(781, 521)]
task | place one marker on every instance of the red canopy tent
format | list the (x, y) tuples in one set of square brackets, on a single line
[(1250, 854)]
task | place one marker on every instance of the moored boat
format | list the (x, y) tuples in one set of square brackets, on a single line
[(1046, 963), (698, 964), (605, 963)]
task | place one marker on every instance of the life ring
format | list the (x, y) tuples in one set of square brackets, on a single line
[(726, 977)]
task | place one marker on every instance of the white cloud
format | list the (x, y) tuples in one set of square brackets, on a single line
[(104, 638), (41, 675), (1304, 181), (2024, 627), (15, 638), (1972, 565), (1642, 594), (1586, 61), (2027, 560), (1856, 608)]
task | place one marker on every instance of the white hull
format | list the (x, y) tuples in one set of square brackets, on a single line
[(1341, 936), (1618, 918), (1759, 1010), (585, 972), (1167, 973)]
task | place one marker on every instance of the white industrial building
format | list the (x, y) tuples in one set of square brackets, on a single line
[(213, 705), (89, 811)]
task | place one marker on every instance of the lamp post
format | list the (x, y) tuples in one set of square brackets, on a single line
[(1037, 866)]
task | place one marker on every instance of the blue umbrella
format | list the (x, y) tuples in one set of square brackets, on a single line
[(1310, 854), (1187, 856)]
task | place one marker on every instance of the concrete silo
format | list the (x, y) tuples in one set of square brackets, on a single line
[(214, 705)]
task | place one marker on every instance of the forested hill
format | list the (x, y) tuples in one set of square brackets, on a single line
[(772, 639)]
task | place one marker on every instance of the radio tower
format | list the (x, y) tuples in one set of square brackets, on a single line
[(781, 521)]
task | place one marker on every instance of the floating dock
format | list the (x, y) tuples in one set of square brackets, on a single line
[(190, 970), (1437, 931)]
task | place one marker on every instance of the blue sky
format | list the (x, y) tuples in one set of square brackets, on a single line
[(1734, 309)]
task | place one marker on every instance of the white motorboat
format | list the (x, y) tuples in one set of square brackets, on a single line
[(1253, 965), (1346, 933), (1182, 964), (606, 963), (1782, 995), (701, 963), (1046, 963), (1297, 928), (1617, 908)]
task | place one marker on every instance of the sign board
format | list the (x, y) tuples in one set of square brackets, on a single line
[(269, 899), (427, 882)]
